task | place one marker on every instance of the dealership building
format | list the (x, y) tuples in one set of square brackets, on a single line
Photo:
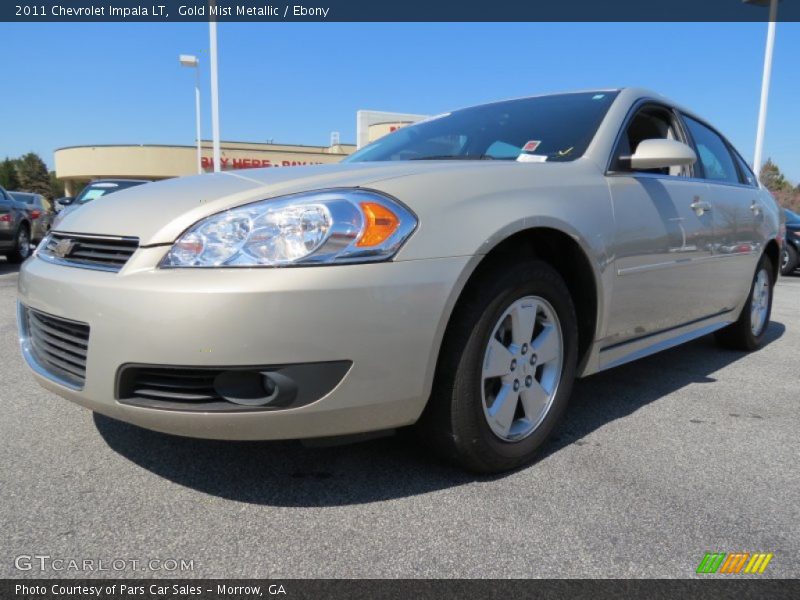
[(75, 165), (81, 163)]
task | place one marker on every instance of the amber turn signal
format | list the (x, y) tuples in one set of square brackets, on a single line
[(379, 224)]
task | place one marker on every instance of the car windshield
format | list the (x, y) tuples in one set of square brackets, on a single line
[(102, 188), (548, 128), (792, 217)]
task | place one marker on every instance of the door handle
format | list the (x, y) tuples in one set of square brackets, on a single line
[(756, 208), (700, 206)]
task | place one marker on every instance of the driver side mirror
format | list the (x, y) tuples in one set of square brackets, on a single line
[(660, 154), (65, 201)]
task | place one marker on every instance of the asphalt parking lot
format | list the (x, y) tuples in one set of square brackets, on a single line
[(658, 462)]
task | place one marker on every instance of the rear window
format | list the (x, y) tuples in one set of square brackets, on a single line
[(26, 198), (553, 128), (716, 159)]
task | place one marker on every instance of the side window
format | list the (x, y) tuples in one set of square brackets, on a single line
[(713, 153), (746, 175), (650, 123)]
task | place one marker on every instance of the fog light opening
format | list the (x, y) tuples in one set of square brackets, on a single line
[(248, 388)]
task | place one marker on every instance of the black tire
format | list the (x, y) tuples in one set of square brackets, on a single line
[(740, 335), (22, 246), (454, 422), (789, 259)]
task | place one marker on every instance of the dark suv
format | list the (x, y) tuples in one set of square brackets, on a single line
[(15, 229), (790, 257)]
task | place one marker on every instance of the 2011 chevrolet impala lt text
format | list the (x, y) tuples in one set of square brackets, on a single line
[(457, 274)]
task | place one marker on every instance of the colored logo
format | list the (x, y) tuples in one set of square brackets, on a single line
[(737, 562)]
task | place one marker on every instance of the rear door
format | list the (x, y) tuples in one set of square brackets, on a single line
[(738, 212), (664, 236)]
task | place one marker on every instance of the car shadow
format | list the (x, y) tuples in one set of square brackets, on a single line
[(290, 474)]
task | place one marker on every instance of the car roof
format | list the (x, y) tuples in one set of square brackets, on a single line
[(630, 94), (627, 95)]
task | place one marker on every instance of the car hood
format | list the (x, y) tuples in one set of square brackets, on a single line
[(157, 213), (60, 215)]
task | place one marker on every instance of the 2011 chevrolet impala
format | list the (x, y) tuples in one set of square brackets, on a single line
[(459, 274)]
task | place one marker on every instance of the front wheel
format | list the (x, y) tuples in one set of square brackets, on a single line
[(22, 246), (749, 331), (506, 370)]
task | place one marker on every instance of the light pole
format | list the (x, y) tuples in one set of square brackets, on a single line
[(212, 46), (762, 110), (187, 60)]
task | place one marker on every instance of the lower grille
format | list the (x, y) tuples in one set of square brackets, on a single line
[(58, 345), (173, 389), (227, 389), (175, 385)]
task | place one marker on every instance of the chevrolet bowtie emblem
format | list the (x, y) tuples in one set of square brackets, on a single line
[(63, 248)]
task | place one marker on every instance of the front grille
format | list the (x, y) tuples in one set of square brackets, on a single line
[(90, 252), (58, 345)]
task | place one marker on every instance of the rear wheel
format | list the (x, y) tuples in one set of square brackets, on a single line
[(506, 369), (748, 332), (789, 259), (22, 246)]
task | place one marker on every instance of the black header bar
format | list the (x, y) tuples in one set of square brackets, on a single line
[(401, 11)]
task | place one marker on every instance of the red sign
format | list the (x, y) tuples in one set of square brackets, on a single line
[(252, 163)]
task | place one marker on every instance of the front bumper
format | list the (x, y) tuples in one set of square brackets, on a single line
[(386, 318)]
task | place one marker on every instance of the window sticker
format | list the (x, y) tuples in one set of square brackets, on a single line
[(532, 158), (531, 146)]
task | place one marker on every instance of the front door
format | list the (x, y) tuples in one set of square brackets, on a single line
[(664, 238)]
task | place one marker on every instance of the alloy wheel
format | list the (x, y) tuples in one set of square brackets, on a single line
[(24, 242), (759, 303), (521, 368)]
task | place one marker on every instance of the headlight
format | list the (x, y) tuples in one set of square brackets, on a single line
[(329, 226)]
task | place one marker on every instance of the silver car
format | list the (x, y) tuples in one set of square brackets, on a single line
[(458, 274), (39, 211)]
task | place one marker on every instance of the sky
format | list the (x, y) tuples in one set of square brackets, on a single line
[(121, 83)]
